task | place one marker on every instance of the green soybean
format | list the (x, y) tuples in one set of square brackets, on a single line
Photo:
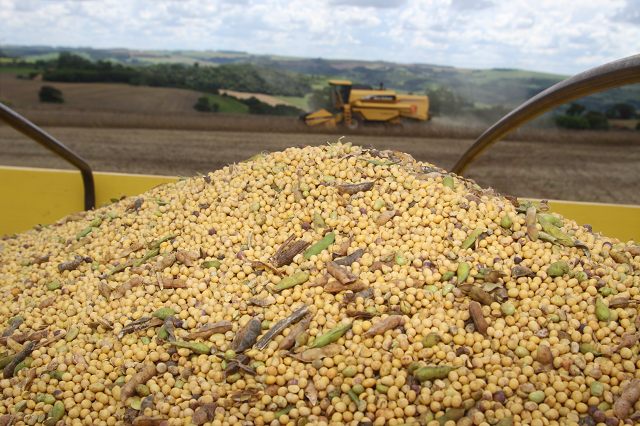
[(57, 413), (163, 333), (54, 285), (163, 313), (148, 255), (602, 311), (430, 340), (321, 245), (447, 276), (463, 272), (506, 222), (211, 264), (447, 181), (553, 220), (558, 269), (454, 414), (72, 334), (471, 238), (432, 373), (331, 336), (156, 244), (292, 281)]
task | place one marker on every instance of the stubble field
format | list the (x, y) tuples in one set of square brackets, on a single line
[(568, 169)]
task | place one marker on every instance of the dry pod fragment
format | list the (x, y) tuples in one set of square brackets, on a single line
[(131, 249), (314, 354), (629, 397), (205, 413), (209, 330), (340, 273), (187, 257), (620, 257), (129, 285), (47, 302), (344, 247), (280, 326), (301, 327), (545, 357), (246, 336), (626, 341), (140, 378), (386, 324), (348, 260), (337, 287), (385, 217), (475, 310), (148, 421), (352, 189)]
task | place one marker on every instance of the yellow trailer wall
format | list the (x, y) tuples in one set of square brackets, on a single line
[(42, 196)]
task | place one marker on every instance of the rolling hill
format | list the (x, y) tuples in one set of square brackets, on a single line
[(484, 88)]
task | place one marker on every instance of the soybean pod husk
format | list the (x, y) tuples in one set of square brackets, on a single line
[(321, 245), (331, 336), (431, 373), (292, 281)]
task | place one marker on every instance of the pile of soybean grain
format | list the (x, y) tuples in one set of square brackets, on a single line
[(546, 358)]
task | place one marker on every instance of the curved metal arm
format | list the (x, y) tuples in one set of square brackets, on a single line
[(608, 76), (32, 131)]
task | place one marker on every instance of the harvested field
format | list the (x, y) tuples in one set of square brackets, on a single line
[(111, 97), (98, 96), (567, 169)]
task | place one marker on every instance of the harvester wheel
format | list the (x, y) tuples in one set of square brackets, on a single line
[(356, 122)]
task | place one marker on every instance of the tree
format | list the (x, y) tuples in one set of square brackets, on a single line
[(442, 101), (50, 94), (597, 120), (621, 112), (575, 122), (215, 107), (575, 109), (73, 61), (202, 104)]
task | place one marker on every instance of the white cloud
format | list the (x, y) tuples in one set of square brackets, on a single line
[(559, 36)]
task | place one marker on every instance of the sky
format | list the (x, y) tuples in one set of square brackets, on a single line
[(556, 36)]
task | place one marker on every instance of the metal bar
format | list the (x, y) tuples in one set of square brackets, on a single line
[(32, 131), (608, 76)]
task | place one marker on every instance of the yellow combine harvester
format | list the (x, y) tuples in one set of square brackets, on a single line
[(358, 104)]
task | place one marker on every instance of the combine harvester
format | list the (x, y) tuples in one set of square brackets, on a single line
[(41, 196), (358, 104)]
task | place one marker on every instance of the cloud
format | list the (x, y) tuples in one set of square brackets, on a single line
[(464, 5), (629, 14), (379, 4), (560, 36)]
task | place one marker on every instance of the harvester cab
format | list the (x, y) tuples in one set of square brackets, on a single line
[(357, 104)]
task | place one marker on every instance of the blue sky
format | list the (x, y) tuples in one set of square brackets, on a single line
[(558, 36)]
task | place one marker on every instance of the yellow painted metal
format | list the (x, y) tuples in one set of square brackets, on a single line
[(383, 106), (319, 117), (42, 196), (612, 220)]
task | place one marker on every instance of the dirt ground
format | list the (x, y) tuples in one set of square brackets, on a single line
[(606, 173)]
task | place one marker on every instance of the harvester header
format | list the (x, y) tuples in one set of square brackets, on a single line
[(358, 104)]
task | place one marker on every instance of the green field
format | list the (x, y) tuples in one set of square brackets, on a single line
[(298, 101), (11, 70), (227, 105)]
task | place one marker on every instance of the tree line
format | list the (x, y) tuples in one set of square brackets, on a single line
[(72, 68)]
